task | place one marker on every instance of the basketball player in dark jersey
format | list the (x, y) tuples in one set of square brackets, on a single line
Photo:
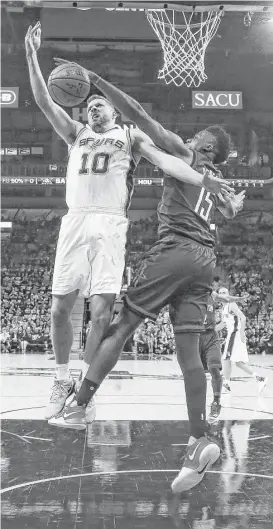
[(210, 350), (178, 270)]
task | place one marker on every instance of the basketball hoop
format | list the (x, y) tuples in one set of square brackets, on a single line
[(184, 42)]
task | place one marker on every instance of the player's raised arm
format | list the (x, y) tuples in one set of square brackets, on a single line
[(162, 137), (175, 167), (59, 119)]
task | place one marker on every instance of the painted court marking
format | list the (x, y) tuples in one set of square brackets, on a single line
[(88, 474)]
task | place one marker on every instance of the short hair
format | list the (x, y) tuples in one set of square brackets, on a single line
[(98, 96), (223, 140)]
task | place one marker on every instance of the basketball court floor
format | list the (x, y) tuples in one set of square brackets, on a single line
[(117, 474)]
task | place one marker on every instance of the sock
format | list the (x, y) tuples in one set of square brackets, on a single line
[(62, 372), (86, 392), (195, 388), (216, 398), (85, 369)]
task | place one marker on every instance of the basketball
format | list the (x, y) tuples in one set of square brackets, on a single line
[(68, 85)]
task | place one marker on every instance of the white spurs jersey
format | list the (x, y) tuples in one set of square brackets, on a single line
[(231, 320), (100, 171)]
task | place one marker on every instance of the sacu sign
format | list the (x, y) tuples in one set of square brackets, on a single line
[(224, 100)]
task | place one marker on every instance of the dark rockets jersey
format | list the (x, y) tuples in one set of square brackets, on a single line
[(186, 209), (210, 320)]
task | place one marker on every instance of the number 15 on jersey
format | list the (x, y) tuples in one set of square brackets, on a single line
[(204, 204)]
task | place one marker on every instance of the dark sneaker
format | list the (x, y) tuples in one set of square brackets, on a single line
[(226, 387), (199, 458), (215, 410)]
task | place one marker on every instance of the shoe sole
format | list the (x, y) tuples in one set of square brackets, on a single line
[(66, 425), (71, 392), (208, 457)]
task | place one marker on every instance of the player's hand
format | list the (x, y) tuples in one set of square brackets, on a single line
[(243, 337), (33, 39), (218, 186), (59, 62), (239, 200)]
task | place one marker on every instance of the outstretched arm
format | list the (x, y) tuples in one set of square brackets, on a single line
[(162, 137), (59, 119), (175, 167), (227, 297)]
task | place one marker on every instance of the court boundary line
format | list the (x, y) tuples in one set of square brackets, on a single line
[(138, 471)]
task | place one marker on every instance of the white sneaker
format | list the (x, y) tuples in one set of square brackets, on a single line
[(226, 387), (61, 390), (72, 416), (262, 381), (199, 458)]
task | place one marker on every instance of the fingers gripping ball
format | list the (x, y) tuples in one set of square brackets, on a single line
[(68, 85)]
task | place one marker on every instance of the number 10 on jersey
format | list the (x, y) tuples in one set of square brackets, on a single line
[(99, 163)]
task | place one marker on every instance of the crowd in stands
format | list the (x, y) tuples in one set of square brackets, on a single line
[(245, 261)]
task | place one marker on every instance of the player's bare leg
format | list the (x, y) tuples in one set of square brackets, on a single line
[(226, 374), (216, 382), (262, 381), (101, 314), (62, 340), (101, 363), (201, 452)]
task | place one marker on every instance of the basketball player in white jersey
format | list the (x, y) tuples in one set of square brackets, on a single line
[(91, 246), (235, 350)]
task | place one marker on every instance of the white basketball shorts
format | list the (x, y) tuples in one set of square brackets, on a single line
[(235, 350), (90, 254)]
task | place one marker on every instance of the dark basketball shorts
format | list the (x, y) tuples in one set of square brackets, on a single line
[(210, 349), (175, 271)]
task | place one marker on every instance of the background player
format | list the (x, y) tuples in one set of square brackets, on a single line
[(235, 350), (91, 246), (178, 270), (210, 349)]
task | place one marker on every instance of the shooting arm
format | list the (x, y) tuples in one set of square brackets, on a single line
[(165, 139), (59, 119), (171, 165)]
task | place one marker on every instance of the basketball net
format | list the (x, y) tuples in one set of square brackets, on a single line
[(184, 43)]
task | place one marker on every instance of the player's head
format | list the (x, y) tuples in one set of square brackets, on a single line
[(223, 291), (100, 112), (216, 283), (214, 140)]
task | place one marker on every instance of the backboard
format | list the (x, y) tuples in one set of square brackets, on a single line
[(180, 5)]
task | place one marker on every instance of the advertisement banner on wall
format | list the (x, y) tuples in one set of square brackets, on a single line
[(215, 99), (9, 97)]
